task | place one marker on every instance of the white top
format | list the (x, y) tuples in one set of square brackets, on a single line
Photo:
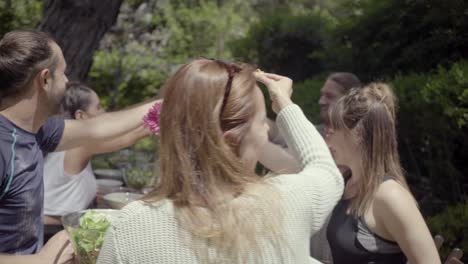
[(65, 193), (149, 234)]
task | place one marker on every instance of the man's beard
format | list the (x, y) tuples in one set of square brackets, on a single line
[(55, 109), (55, 105), (323, 114)]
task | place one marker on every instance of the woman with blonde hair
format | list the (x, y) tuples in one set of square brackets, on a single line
[(209, 206), (378, 220)]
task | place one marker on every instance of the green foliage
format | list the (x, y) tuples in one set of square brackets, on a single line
[(382, 38), (306, 95), (196, 28), (19, 14), (452, 225), (138, 178), (286, 44), (152, 38), (126, 69), (450, 89), (432, 143), (125, 78), (148, 145)]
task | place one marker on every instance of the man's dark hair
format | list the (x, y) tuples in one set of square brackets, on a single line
[(22, 54), (346, 80), (77, 97)]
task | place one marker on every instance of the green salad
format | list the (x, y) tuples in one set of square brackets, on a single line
[(138, 178), (89, 237)]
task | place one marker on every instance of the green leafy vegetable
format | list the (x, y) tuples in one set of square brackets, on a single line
[(88, 239)]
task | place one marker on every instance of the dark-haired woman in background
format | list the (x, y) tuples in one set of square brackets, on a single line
[(69, 181)]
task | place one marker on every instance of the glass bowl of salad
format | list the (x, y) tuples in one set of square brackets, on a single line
[(87, 229)]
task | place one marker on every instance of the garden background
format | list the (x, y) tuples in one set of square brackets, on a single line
[(125, 49)]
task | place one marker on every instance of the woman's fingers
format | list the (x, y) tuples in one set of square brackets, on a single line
[(261, 77), (265, 77), (279, 88), (273, 76)]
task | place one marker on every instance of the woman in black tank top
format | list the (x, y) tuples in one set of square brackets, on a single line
[(378, 220), (351, 240)]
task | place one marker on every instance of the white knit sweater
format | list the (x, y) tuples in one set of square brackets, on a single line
[(149, 234)]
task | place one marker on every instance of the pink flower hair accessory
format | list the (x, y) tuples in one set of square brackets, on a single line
[(151, 120)]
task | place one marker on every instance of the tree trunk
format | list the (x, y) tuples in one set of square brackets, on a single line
[(78, 26)]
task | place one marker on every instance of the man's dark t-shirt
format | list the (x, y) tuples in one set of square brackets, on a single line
[(22, 185)]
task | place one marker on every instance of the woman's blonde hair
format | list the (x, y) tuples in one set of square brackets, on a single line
[(217, 198), (370, 112)]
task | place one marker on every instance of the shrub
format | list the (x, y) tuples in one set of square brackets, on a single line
[(285, 44), (452, 225)]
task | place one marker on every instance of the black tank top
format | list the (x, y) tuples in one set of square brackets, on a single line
[(349, 241)]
